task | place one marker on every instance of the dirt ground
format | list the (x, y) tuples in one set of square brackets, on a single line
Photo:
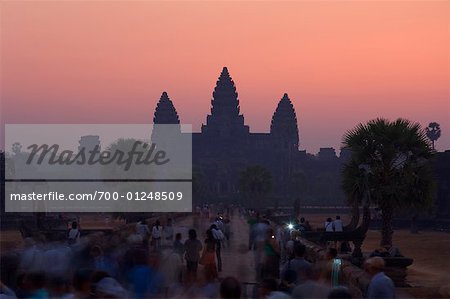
[(430, 250)]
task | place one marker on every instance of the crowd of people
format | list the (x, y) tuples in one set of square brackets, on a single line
[(140, 261), (161, 261), (284, 270)]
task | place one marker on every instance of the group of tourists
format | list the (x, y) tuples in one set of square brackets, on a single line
[(284, 269), (140, 261), (161, 260), (334, 225)]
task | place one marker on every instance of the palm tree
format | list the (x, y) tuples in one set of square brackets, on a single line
[(255, 183), (395, 157), (433, 132)]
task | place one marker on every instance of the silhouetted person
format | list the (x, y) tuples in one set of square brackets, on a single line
[(298, 264), (74, 234), (192, 248), (337, 224), (219, 237)]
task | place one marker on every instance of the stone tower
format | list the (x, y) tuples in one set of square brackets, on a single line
[(284, 124), (225, 120), (165, 112)]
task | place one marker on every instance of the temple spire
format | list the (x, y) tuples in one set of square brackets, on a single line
[(165, 112), (284, 122), (225, 118)]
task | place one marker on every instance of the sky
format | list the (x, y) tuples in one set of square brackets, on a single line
[(82, 62)]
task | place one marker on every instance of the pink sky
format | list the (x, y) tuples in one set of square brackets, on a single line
[(340, 62)]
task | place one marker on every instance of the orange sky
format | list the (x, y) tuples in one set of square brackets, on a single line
[(340, 62)]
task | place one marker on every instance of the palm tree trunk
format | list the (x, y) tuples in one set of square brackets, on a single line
[(355, 217), (386, 228)]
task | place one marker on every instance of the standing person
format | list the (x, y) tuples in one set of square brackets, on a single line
[(192, 249), (73, 235), (218, 237), (271, 266), (381, 286), (337, 224), (331, 267), (298, 264), (156, 234), (142, 229), (252, 221), (208, 259), (168, 231), (260, 233), (170, 269), (329, 225), (178, 246)]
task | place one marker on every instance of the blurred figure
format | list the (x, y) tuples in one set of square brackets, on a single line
[(178, 246), (210, 289), (260, 236), (329, 225), (108, 287), (332, 271), (142, 229), (192, 248), (271, 256), (381, 286), (208, 259), (31, 257), (252, 221), (56, 259), (168, 231), (298, 264), (305, 224), (170, 269), (73, 236), (337, 224), (144, 280), (156, 234), (230, 288), (101, 262), (219, 237)]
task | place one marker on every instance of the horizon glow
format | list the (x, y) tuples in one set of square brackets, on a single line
[(341, 63)]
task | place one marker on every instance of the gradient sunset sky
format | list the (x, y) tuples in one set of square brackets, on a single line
[(341, 62)]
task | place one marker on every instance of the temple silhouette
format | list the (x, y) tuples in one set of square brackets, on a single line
[(225, 147)]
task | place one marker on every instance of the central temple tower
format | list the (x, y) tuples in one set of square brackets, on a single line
[(225, 119)]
